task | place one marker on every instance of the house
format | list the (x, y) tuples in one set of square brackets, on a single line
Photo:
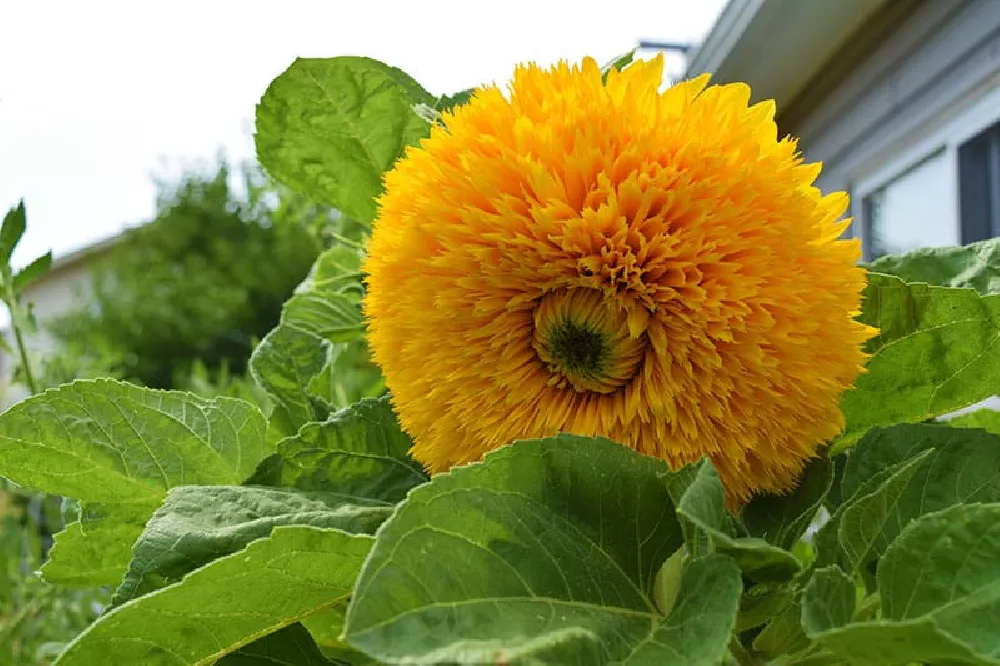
[(900, 100), (61, 290)]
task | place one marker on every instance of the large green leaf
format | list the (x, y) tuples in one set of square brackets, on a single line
[(703, 505), (880, 643), (936, 353), (360, 452), (82, 560), (946, 566), (235, 600), (546, 552), (962, 465), (120, 448), (291, 646), (976, 265), (326, 628), (939, 585), (862, 527), (783, 519), (828, 600), (96, 549), (198, 524), (107, 441), (284, 364), (329, 128), (986, 418)]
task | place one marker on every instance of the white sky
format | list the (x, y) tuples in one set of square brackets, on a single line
[(97, 96)]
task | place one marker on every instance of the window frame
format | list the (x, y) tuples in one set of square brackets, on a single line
[(961, 125)]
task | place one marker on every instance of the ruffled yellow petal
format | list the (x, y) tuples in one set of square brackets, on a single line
[(655, 267)]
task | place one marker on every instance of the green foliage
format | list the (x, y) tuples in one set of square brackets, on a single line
[(333, 126), (975, 266), (203, 281), (934, 354), (547, 551), (305, 534), (987, 419), (36, 618), (236, 599)]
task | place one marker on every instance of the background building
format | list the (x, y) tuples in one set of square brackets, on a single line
[(900, 100)]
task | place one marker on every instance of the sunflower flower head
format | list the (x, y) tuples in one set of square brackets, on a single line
[(606, 258)]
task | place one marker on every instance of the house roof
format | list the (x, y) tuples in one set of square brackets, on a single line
[(777, 46), (67, 262)]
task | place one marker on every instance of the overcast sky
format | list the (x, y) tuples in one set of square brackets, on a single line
[(97, 96)]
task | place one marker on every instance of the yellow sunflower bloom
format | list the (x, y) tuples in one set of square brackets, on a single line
[(609, 259)]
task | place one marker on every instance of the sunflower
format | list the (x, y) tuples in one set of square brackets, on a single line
[(606, 258)]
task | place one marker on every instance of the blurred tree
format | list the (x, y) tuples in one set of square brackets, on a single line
[(201, 282)]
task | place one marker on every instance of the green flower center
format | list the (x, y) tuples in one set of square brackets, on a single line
[(583, 340), (577, 348)]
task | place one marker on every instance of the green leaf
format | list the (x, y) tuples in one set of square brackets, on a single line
[(107, 441), (119, 448), (328, 303), (784, 634), (32, 272), (79, 560), (940, 594), (348, 376), (976, 266), (936, 353), (332, 317), (234, 601), (14, 224), (361, 452), (879, 643), (291, 646), (762, 602), (326, 628), (198, 524), (783, 520), (703, 505), (284, 364), (962, 466), (668, 581), (862, 528), (447, 103), (828, 600), (336, 271), (987, 419), (95, 550), (545, 552), (945, 566), (329, 128)]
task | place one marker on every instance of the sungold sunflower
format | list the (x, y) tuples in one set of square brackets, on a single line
[(609, 259)]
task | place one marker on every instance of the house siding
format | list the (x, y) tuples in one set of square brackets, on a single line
[(915, 66)]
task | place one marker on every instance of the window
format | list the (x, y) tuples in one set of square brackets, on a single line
[(979, 185), (912, 210)]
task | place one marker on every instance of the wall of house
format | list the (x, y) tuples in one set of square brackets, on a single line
[(919, 79)]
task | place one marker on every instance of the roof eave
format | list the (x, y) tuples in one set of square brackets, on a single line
[(777, 46)]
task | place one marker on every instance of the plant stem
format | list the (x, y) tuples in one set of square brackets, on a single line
[(15, 318)]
